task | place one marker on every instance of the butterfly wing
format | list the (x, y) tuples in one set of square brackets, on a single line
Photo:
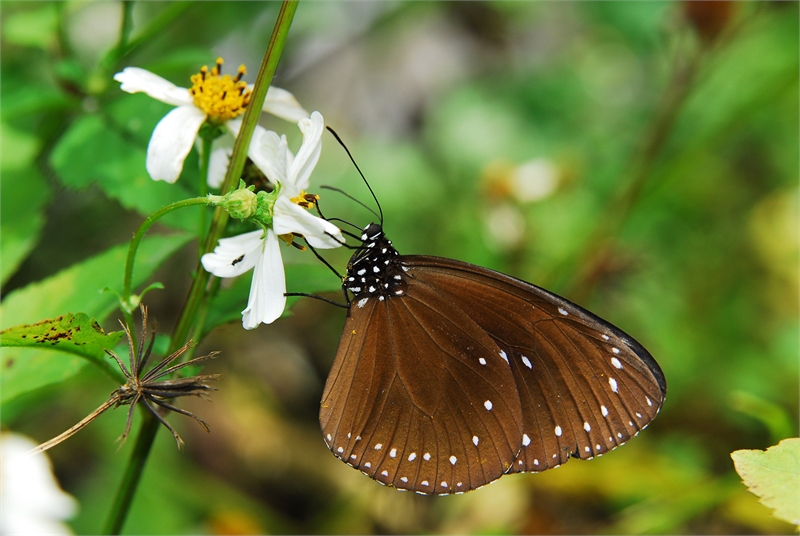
[(585, 386), (417, 397)]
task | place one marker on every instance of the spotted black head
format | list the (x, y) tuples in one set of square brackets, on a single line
[(375, 269)]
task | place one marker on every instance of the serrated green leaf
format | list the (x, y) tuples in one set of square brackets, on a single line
[(94, 152), (77, 288), (774, 476), (75, 334)]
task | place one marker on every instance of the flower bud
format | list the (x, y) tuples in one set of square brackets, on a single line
[(241, 204)]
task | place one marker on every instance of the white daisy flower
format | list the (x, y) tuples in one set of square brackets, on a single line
[(31, 501), (220, 100), (260, 249)]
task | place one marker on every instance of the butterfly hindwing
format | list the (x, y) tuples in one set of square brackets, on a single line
[(585, 386)]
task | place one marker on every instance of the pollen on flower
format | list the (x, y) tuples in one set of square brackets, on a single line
[(221, 97), (304, 199)]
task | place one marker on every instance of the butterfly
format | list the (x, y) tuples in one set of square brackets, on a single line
[(449, 375)]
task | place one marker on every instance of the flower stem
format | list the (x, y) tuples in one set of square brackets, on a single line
[(144, 440), (127, 306), (202, 186), (133, 472)]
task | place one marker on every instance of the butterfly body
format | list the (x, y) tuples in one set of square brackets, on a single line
[(449, 375)]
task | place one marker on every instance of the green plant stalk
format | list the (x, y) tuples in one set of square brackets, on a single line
[(236, 166), (133, 472), (202, 187), (641, 169), (136, 464), (134, 246)]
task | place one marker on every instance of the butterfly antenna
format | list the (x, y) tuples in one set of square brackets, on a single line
[(335, 135), (315, 202), (335, 189)]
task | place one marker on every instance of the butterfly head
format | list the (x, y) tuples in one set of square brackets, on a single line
[(375, 270)]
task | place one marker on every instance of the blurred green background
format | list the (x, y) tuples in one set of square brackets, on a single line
[(640, 158)]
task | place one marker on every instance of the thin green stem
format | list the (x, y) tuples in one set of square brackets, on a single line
[(144, 440), (202, 186), (133, 472), (641, 169), (137, 238)]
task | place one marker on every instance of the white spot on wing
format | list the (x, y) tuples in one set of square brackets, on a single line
[(525, 440), (412, 456), (475, 440), (426, 456), (504, 356), (616, 363), (527, 362), (385, 473), (379, 446), (482, 361), (453, 460), (362, 302), (604, 411), (558, 431), (425, 483), (587, 427), (615, 350), (649, 402), (367, 465), (340, 450), (563, 311), (488, 405), (393, 453), (613, 383), (605, 337)]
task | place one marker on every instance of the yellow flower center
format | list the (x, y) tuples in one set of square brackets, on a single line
[(221, 97)]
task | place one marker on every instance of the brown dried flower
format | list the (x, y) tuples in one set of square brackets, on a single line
[(148, 389)]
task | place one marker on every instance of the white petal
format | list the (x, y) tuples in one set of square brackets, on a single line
[(171, 142), (271, 153), (308, 155), (134, 80), (235, 255), (268, 157), (292, 218), (283, 104), (221, 150), (267, 300)]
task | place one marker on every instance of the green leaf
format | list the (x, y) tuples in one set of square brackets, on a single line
[(774, 476), (25, 194), (95, 152), (76, 334), (77, 288)]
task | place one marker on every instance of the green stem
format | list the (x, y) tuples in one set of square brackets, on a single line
[(202, 186), (641, 169), (144, 440), (137, 238), (133, 472)]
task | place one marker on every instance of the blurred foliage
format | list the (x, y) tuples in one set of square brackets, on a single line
[(639, 158)]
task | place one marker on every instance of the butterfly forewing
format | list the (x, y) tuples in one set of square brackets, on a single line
[(419, 396), (585, 386)]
